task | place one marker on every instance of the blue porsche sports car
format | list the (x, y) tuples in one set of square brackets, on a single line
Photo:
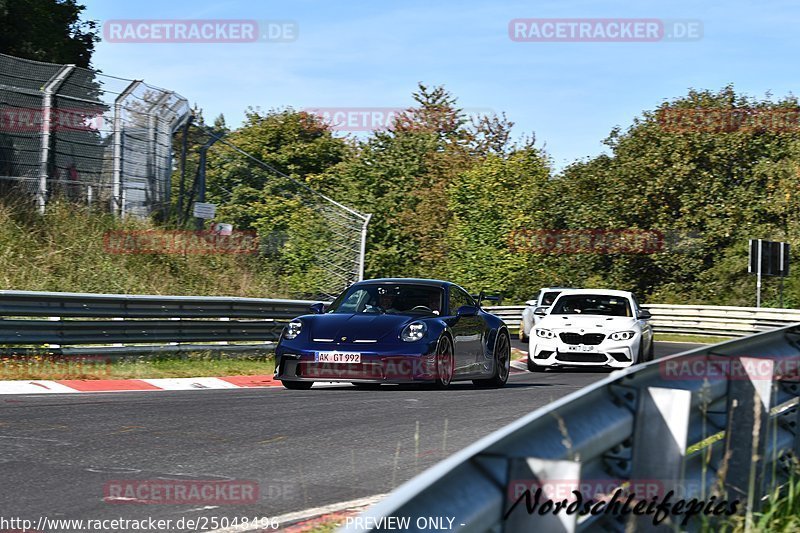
[(395, 331)]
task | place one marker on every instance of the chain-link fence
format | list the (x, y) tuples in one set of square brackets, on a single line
[(313, 243), (85, 136)]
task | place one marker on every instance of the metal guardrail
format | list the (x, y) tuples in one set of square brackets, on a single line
[(104, 319), (690, 319), (652, 423)]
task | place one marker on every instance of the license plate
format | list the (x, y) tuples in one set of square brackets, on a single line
[(580, 348), (337, 357)]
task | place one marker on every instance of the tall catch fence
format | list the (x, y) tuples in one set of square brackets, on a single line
[(314, 242), (92, 138)]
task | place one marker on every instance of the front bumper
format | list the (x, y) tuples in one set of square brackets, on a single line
[(415, 362), (555, 352)]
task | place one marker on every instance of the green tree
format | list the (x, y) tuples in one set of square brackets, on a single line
[(47, 30)]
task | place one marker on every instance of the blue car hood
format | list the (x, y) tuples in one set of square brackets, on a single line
[(357, 326)]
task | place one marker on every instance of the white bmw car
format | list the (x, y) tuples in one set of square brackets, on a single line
[(591, 327)]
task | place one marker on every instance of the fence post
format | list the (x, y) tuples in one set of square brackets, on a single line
[(363, 248), (153, 118), (750, 385), (47, 114), (662, 423), (118, 203)]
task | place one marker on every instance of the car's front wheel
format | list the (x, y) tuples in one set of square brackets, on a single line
[(297, 385), (445, 362), (502, 363)]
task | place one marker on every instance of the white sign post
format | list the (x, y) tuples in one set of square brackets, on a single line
[(204, 210)]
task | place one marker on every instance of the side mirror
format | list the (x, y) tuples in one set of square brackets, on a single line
[(467, 310), (644, 314), (540, 311), (317, 308), (532, 303)]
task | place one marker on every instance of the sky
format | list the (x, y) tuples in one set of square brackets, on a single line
[(355, 56)]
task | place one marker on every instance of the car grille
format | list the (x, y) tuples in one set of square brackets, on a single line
[(586, 338), (581, 357)]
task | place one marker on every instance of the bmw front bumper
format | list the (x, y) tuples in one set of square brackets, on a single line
[(555, 352)]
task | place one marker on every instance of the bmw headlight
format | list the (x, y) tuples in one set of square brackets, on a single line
[(622, 335), (414, 332), (545, 334), (293, 330)]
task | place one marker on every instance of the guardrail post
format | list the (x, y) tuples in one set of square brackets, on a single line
[(750, 388), (659, 445), (543, 483)]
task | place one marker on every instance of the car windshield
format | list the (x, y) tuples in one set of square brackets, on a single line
[(592, 304), (383, 298), (549, 297)]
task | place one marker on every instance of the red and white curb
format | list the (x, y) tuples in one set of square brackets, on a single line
[(127, 385), (62, 386)]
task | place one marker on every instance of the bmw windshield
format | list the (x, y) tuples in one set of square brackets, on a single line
[(592, 304), (396, 299)]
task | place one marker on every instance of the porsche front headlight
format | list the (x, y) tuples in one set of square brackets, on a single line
[(414, 332), (293, 330)]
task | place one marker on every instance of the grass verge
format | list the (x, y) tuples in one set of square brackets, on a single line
[(696, 339), (194, 365)]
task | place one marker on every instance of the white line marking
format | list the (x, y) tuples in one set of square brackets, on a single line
[(298, 516)]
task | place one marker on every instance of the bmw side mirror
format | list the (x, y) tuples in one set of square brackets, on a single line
[(317, 308), (467, 310), (644, 314), (540, 311)]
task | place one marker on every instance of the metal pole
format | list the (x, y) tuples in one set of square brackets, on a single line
[(118, 204), (758, 279), (363, 251), (47, 109), (201, 174), (201, 185), (156, 185), (182, 184), (782, 274)]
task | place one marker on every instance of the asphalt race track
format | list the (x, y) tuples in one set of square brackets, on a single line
[(303, 448)]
